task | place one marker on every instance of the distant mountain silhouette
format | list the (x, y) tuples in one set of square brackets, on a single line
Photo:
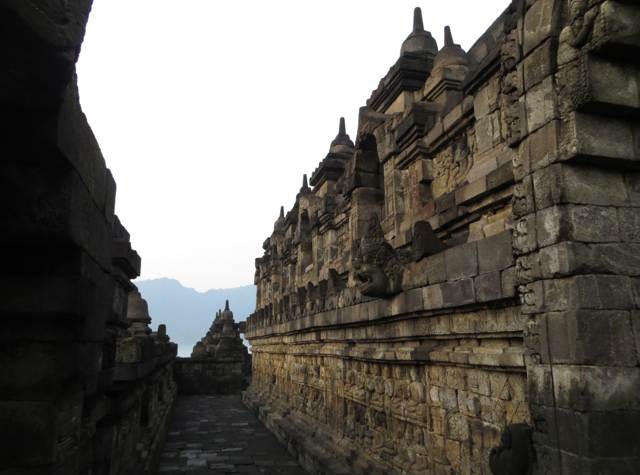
[(188, 314)]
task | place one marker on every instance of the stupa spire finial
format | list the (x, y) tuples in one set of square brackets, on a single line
[(305, 183), (226, 305), (419, 40), (282, 212), (418, 26), (342, 143), (448, 37)]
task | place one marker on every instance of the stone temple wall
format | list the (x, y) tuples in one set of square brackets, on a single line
[(85, 387), (466, 276)]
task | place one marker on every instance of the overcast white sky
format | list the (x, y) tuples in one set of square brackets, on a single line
[(209, 112)]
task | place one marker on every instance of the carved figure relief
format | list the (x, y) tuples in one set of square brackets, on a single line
[(376, 264), (418, 456), (350, 423), (404, 442), (377, 395), (416, 408), (380, 435), (451, 166), (399, 401), (581, 21)]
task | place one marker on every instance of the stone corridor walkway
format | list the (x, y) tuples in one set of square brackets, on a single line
[(213, 435)]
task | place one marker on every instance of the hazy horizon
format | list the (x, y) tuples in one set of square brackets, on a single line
[(137, 281)]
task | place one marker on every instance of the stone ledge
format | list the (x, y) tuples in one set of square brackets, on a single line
[(130, 372), (427, 301), (302, 441)]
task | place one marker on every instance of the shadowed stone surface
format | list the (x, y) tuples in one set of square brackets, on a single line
[(218, 434), (498, 292)]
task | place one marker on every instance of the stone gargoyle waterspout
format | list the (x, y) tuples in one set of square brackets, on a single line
[(515, 455), (376, 264)]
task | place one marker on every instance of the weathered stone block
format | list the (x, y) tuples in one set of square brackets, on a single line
[(452, 117), (569, 258), (455, 294), (629, 222), (541, 63), (76, 141), (448, 216), (471, 192), (544, 145), (72, 215), (55, 295), (413, 300), (596, 137), (432, 297), (613, 434), (436, 268), (482, 167), (568, 424), (596, 388), (488, 132), (540, 22), (588, 337), (541, 104), (540, 381), (577, 223), (28, 367), (597, 84), (415, 275), (509, 284), (494, 228), (488, 287), (632, 181), (495, 252), (375, 309), (445, 202), (588, 292), (399, 304), (561, 183), (461, 261), (486, 100), (501, 176)]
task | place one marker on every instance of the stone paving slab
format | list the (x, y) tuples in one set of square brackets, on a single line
[(213, 435)]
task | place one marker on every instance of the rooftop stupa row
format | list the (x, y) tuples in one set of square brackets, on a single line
[(419, 39), (223, 338)]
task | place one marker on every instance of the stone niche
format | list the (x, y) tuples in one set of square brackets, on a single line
[(85, 386), (220, 363), (458, 292)]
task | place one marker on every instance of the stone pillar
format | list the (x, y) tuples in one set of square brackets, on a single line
[(572, 80)]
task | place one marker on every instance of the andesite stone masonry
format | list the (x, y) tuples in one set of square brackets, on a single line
[(456, 290)]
